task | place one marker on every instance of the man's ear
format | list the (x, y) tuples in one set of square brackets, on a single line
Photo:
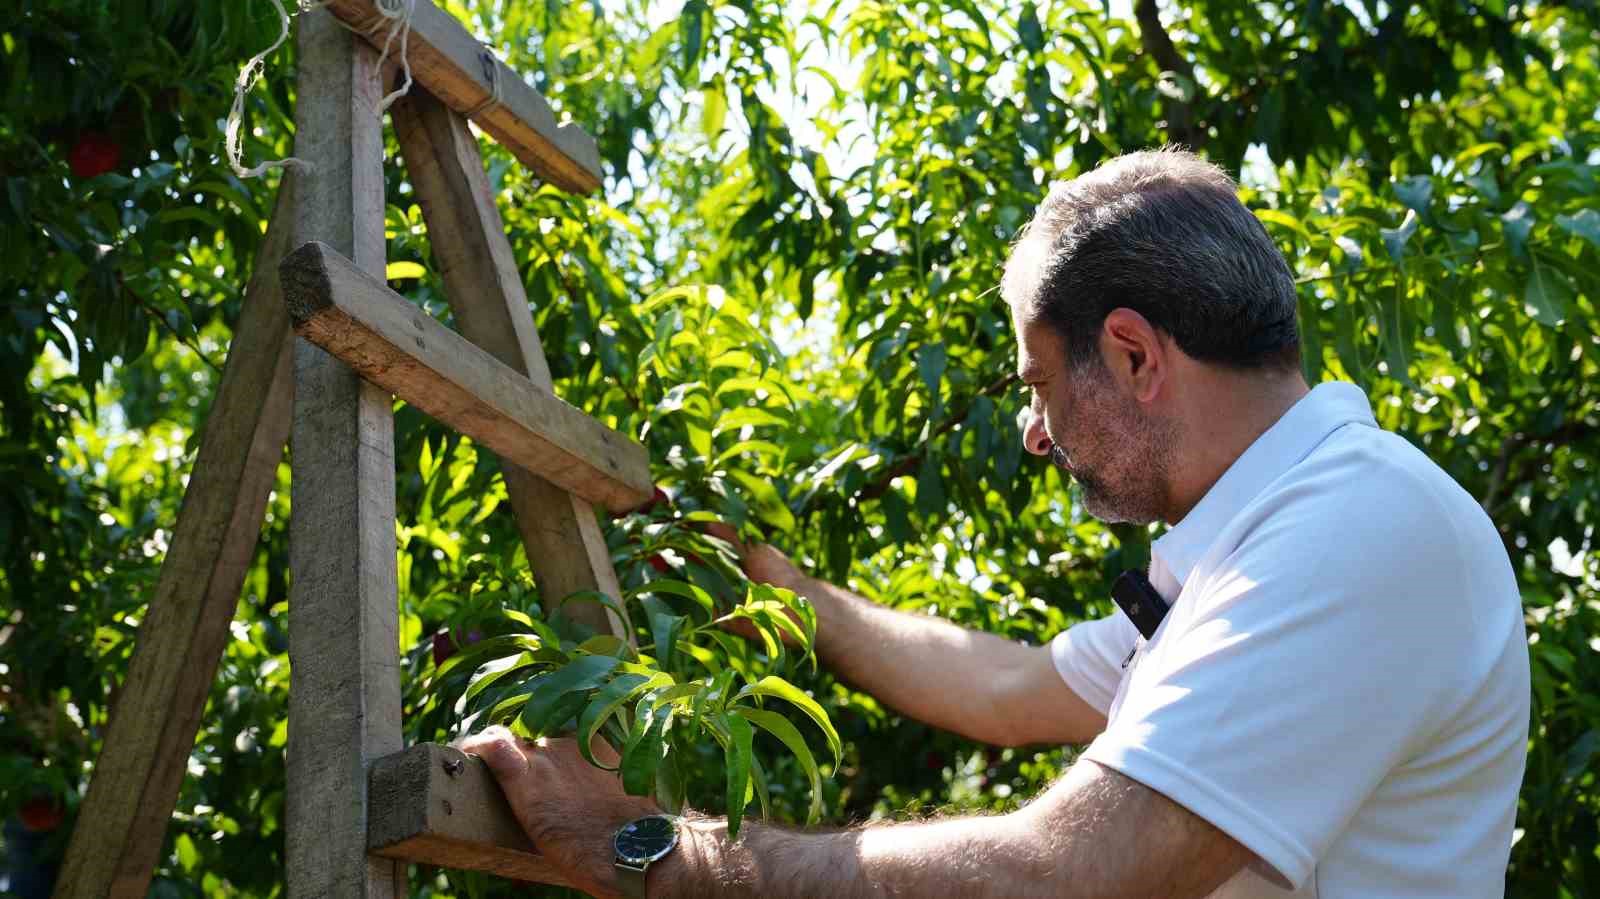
[(1137, 356)]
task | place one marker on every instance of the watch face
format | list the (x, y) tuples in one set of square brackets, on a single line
[(646, 839)]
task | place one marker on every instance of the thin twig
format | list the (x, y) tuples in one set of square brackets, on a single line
[(1158, 43), (908, 463), (1502, 483), (156, 314)]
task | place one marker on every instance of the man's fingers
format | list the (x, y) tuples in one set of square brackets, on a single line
[(722, 531), (500, 750)]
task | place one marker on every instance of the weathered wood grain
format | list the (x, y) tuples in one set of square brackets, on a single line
[(565, 547), (457, 69), (123, 820), (392, 343), (434, 805), (344, 696)]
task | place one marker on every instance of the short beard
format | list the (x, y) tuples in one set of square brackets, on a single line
[(1137, 456)]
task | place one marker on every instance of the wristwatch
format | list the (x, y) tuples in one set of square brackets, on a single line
[(638, 844)]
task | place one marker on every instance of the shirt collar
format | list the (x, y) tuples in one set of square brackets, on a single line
[(1291, 438)]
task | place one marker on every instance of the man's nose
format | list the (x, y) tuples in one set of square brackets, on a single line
[(1034, 436)]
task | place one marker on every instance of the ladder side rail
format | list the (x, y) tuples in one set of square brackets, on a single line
[(344, 697)]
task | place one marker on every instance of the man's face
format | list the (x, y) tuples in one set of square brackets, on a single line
[(1120, 455)]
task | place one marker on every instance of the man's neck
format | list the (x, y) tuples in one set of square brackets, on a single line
[(1224, 413)]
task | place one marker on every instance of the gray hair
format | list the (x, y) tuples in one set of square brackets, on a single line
[(1161, 232)]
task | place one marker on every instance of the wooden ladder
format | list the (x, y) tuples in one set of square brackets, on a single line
[(361, 805)]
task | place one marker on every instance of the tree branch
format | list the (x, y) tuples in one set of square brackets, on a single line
[(910, 462), (1181, 124), (1500, 479)]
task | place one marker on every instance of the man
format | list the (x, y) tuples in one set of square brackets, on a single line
[(1335, 705)]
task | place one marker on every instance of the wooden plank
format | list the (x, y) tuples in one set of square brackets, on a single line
[(392, 343), (563, 540), (122, 823), (344, 696), (434, 805), (457, 69)]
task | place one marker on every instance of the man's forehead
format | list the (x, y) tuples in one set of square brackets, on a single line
[(1038, 346)]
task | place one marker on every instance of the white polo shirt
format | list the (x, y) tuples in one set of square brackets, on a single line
[(1342, 681)]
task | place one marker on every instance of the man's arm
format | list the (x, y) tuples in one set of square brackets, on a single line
[(979, 685), (1095, 833)]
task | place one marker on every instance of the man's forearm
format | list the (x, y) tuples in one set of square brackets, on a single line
[(1094, 833), (920, 665), (974, 857)]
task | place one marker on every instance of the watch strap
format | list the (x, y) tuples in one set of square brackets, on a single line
[(631, 879)]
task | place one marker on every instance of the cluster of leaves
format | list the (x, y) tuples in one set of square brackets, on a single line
[(658, 704), (818, 203)]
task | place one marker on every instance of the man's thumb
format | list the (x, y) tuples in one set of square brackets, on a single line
[(498, 748)]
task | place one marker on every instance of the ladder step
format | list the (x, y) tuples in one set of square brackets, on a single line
[(454, 67), (392, 343), (435, 805)]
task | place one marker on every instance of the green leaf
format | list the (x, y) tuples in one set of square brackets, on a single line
[(715, 97), (930, 485), (551, 690), (739, 753), (497, 670), (492, 648), (592, 596), (754, 416), (1028, 30), (398, 271), (779, 726), (188, 855), (1395, 239), (677, 693), (1284, 220), (1578, 756), (1415, 192), (692, 24), (664, 628), (1396, 332), (764, 499), (607, 700), (896, 515), (778, 688), (1548, 295), (1517, 222), (679, 588), (1585, 224), (931, 360), (758, 779), (792, 602), (641, 755), (606, 645), (671, 787)]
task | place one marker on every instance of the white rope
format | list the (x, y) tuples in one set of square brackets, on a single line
[(398, 13), (491, 70), (395, 16), (247, 80)]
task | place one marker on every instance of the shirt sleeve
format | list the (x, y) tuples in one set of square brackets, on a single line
[(1089, 657), (1286, 689)]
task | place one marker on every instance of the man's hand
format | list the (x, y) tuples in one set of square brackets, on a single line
[(569, 808), (762, 563), (974, 683), (765, 565)]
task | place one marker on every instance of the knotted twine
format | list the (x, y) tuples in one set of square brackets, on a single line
[(395, 15)]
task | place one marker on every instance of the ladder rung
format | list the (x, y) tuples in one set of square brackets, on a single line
[(454, 67), (392, 343), (435, 805)]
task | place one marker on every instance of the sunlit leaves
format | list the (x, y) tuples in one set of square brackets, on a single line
[(786, 293)]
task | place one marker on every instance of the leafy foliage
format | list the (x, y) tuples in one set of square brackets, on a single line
[(787, 292)]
